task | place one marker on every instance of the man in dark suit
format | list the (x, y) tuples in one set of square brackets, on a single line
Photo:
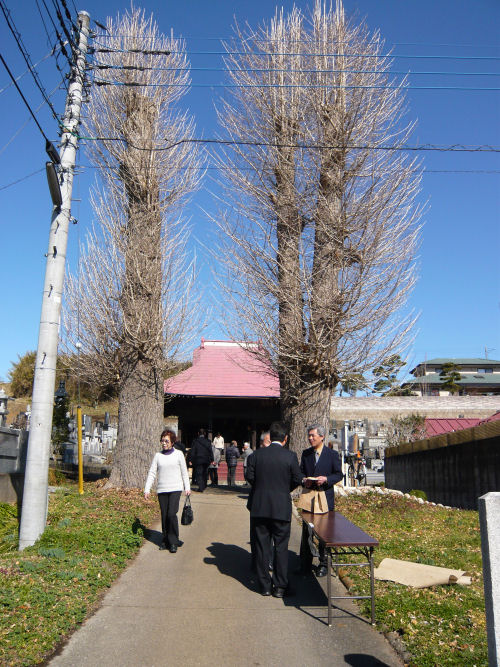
[(323, 463), (273, 473), (200, 457)]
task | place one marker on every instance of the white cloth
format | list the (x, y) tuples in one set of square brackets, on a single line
[(172, 473)]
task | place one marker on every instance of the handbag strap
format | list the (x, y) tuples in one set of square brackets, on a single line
[(187, 502)]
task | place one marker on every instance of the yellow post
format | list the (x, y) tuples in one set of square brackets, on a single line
[(80, 453)]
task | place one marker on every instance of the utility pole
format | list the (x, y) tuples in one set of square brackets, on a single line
[(34, 507)]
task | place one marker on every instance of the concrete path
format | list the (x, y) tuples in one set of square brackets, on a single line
[(200, 607)]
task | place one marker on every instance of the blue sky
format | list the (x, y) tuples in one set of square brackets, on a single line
[(458, 291)]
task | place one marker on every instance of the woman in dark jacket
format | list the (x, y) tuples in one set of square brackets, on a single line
[(232, 456)]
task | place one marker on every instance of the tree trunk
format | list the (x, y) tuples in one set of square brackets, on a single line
[(312, 406), (140, 424)]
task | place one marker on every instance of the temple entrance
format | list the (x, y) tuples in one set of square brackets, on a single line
[(235, 419)]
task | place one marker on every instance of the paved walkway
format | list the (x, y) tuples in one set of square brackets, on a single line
[(200, 607)]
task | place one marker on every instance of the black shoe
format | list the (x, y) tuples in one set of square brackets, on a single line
[(172, 548), (163, 547), (180, 543), (278, 592), (321, 571), (265, 592)]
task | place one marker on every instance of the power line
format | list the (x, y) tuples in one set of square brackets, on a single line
[(388, 56), (24, 99), (140, 68), (214, 168), (233, 38), (18, 78), (137, 84), (27, 121), (24, 178), (455, 148), (17, 36)]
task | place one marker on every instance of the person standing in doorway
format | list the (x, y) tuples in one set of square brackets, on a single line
[(169, 466), (232, 456), (219, 443), (273, 473)]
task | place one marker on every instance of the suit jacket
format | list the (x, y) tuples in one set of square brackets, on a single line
[(273, 473), (201, 451), (328, 465)]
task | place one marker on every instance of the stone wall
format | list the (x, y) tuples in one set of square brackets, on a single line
[(453, 469), (383, 408)]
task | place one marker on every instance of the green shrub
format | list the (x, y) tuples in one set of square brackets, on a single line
[(418, 494)]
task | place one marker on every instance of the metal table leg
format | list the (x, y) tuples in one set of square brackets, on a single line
[(329, 585)]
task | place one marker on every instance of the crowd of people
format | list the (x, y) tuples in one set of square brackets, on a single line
[(272, 471)]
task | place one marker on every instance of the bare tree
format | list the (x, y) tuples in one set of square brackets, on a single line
[(128, 306), (320, 229)]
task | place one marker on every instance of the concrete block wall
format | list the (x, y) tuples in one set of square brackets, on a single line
[(453, 469)]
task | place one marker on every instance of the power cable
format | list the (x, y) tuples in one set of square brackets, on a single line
[(27, 121), (455, 148), (24, 99), (17, 36), (388, 56), (136, 84), (237, 39), (24, 178), (18, 78), (140, 68), (416, 171), (63, 25)]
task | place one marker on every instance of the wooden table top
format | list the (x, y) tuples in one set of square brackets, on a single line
[(336, 531)]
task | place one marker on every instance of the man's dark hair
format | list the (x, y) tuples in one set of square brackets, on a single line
[(278, 431), (202, 432)]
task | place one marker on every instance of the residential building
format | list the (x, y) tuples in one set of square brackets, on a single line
[(478, 377)]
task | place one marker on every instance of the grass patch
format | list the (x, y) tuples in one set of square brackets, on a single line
[(50, 588), (443, 625)]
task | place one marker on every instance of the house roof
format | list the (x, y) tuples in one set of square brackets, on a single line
[(479, 379), (225, 369), (459, 361), (439, 426)]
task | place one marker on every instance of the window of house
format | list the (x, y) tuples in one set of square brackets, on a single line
[(485, 370)]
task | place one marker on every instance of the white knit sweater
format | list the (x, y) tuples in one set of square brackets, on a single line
[(172, 473)]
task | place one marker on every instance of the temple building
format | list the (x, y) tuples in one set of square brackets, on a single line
[(228, 390)]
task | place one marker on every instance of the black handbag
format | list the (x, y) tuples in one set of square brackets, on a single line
[(187, 513)]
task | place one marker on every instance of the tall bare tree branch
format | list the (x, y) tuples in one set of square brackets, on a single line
[(320, 228), (131, 302)]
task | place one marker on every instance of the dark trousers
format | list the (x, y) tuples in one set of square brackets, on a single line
[(253, 549), (200, 472), (214, 476), (306, 556), (231, 475), (266, 531), (169, 506)]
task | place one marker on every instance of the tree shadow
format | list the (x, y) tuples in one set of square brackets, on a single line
[(153, 536)]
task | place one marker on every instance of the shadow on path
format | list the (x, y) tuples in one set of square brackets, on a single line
[(154, 536), (363, 660), (234, 561)]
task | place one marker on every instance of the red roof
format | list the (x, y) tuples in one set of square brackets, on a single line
[(495, 417), (439, 426), (225, 369)]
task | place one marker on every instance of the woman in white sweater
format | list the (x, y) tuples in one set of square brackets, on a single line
[(170, 467)]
